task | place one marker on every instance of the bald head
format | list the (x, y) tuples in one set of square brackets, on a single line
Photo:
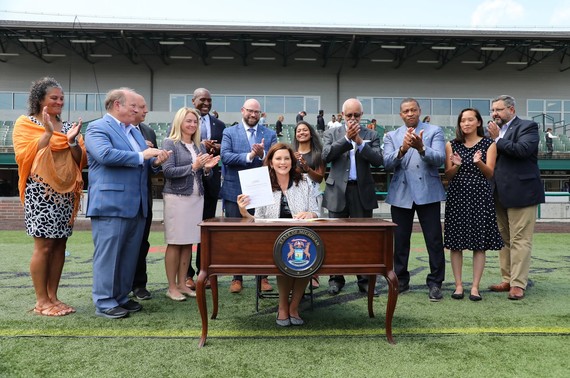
[(142, 108), (251, 112)]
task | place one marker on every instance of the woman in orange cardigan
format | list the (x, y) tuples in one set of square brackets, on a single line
[(50, 156)]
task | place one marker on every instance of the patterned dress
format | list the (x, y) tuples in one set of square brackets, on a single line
[(470, 218), (47, 213)]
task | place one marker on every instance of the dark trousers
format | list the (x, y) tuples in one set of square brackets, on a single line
[(429, 217), (353, 209), (141, 277), (210, 204)]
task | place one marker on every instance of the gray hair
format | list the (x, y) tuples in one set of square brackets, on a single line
[(116, 95), (508, 100)]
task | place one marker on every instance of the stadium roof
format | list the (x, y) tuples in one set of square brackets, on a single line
[(251, 44)]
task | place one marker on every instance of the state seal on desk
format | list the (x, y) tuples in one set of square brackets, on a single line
[(298, 252)]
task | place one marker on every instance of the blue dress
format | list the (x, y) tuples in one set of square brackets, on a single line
[(470, 217)]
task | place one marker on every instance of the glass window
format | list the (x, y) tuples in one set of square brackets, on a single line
[(567, 118), (553, 105), (366, 105), (425, 105), (441, 106), (312, 105), (396, 105), (535, 106), (275, 104), (294, 104), (219, 103), (482, 105), (536, 117), (101, 101), (555, 116), (6, 101), (234, 103), (176, 102), (80, 101), (457, 105), (567, 106), (91, 100), (382, 106), (21, 100)]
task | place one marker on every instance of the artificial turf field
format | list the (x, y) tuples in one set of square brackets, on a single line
[(495, 337)]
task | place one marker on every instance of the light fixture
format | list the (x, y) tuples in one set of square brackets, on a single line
[(9, 54), (309, 45), (382, 60), (222, 57), (101, 55), (472, 61), (180, 57), (393, 47), (263, 44), (171, 42), (306, 59), (263, 58), (217, 43), (542, 49), (32, 40), (82, 40), (518, 63), (49, 55), (428, 61), (492, 48), (443, 47)]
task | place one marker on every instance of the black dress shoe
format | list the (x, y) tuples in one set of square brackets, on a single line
[(112, 313), (334, 288), (475, 298), (458, 296), (403, 288), (141, 293), (363, 288), (435, 294), (132, 306)]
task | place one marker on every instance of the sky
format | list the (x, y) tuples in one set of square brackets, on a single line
[(548, 15)]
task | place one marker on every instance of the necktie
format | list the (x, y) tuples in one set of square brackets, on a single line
[(203, 130), (251, 137)]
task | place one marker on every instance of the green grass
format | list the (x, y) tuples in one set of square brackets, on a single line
[(494, 337)]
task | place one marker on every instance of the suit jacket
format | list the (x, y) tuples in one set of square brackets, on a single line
[(336, 151), (517, 177), (213, 183), (149, 134), (117, 182), (235, 147), (416, 178)]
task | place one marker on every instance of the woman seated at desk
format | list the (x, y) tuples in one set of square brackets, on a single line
[(294, 197)]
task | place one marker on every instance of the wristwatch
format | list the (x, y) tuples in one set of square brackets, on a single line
[(422, 150)]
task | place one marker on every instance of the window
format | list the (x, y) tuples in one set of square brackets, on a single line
[(275, 104), (441, 106), (457, 105), (381, 106), (234, 103), (6, 101), (219, 103), (294, 104), (312, 105)]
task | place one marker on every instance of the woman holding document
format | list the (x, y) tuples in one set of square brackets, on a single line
[(294, 197)]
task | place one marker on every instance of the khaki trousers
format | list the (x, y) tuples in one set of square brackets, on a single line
[(516, 226)]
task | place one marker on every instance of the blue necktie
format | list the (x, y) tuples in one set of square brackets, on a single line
[(251, 136), (203, 129)]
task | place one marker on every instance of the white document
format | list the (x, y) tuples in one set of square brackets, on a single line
[(256, 184)]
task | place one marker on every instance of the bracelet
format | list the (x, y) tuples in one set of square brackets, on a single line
[(74, 143)]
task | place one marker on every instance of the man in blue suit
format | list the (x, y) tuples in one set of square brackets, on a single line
[(518, 191), (119, 160), (414, 152), (243, 147)]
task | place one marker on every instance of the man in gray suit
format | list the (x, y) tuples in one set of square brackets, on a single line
[(414, 152), (350, 191)]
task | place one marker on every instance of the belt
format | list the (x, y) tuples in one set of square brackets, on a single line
[(351, 182)]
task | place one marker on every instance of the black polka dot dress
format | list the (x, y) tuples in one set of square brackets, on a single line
[(470, 218)]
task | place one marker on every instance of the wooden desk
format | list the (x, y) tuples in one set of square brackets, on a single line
[(244, 246)]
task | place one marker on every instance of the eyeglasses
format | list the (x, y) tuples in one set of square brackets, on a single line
[(353, 115), (498, 110), (251, 111)]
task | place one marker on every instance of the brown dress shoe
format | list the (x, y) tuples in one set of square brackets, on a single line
[(502, 287), (190, 283), (207, 283), (516, 293), (265, 285), (236, 286)]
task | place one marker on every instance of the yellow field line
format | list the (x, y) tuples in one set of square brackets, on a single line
[(290, 332)]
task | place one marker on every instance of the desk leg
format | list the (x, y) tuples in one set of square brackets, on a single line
[(391, 306), (371, 286), (201, 299)]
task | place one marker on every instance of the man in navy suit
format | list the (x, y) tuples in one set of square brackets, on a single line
[(211, 129), (119, 160), (414, 152), (238, 153), (139, 283), (518, 191), (350, 191)]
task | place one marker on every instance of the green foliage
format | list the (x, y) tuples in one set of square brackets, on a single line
[(495, 337)]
